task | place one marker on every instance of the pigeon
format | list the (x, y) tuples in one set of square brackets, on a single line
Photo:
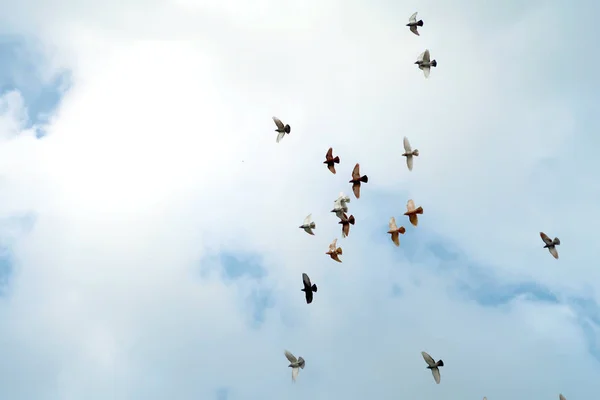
[(425, 63), (413, 23), (341, 205), (433, 366), (409, 153), (395, 231), (330, 160), (295, 364), (308, 288), (346, 221), (334, 251), (412, 212), (357, 179), (550, 244), (561, 397), (308, 225), (282, 129)]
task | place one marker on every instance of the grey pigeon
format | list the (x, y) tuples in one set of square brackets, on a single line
[(433, 366), (425, 63), (550, 244), (308, 225), (308, 288), (295, 364), (413, 23), (281, 128)]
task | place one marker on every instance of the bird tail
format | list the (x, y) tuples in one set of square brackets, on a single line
[(419, 210), (287, 128), (364, 179), (313, 225), (339, 250), (415, 152), (401, 230), (440, 363), (420, 22), (336, 160), (556, 241), (434, 63), (314, 287), (351, 219)]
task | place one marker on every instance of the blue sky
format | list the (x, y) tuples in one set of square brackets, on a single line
[(140, 258)]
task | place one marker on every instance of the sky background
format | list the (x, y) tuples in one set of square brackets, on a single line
[(149, 241)]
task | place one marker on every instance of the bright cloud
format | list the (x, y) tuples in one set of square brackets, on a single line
[(150, 248)]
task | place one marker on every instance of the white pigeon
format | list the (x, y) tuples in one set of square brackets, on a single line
[(295, 364), (413, 23), (409, 153), (308, 225), (425, 63), (281, 128)]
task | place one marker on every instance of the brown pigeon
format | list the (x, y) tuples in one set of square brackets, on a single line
[(346, 221), (334, 251), (357, 179), (550, 244), (330, 160), (395, 231), (412, 212)]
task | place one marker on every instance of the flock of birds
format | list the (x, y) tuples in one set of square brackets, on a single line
[(341, 209)]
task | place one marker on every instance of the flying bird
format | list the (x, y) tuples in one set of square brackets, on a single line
[(433, 366), (340, 205), (561, 397), (295, 364), (412, 212), (395, 231), (550, 244), (413, 23), (308, 288), (357, 179), (409, 153), (282, 129), (330, 160), (425, 63), (308, 225), (346, 221), (334, 251)]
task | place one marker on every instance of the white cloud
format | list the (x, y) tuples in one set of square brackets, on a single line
[(141, 178)]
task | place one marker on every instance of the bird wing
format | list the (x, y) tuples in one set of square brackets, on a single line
[(331, 167), (392, 224), (307, 219), (426, 71), (414, 219), (301, 362), (414, 30), (333, 245), (280, 136), (409, 162), (308, 230), (436, 374), (356, 172), (421, 56), (426, 56), (406, 144), (428, 359), (410, 205), (413, 18), (396, 238), (329, 154), (553, 251), (345, 229), (278, 123), (545, 238), (336, 257), (309, 296), (305, 279), (291, 358), (356, 189), (295, 374)]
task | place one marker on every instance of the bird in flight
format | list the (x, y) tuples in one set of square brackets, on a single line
[(346, 221), (330, 160), (395, 231), (550, 244), (357, 179), (295, 364), (413, 23), (409, 153), (433, 366), (308, 288), (281, 129), (308, 225), (425, 63), (412, 212), (334, 251)]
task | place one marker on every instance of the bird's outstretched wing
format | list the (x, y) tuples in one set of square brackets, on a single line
[(406, 144), (414, 30), (305, 279), (426, 56), (413, 18), (545, 238), (436, 374), (280, 136), (278, 123), (307, 219), (295, 373), (428, 359), (356, 172), (291, 358)]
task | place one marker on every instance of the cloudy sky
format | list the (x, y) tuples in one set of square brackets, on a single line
[(149, 241)]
